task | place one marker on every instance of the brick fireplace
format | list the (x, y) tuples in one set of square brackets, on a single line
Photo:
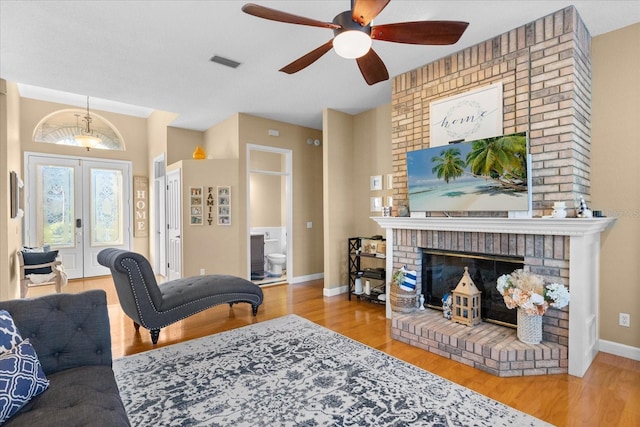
[(545, 71), (562, 250)]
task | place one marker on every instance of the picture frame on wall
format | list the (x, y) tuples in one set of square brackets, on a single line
[(376, 204), (195, 206), (389, 181), (376, 182), (224, 205)]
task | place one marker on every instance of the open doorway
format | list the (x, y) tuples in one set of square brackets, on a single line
[(269, 182)]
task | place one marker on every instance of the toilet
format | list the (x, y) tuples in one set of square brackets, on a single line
[(276, 261)]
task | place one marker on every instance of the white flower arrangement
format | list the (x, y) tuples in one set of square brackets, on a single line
[(528, 291)]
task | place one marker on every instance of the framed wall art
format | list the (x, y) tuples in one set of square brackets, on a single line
[(224, 205), (468, 116), (376, 182), (195, 206), (376, 204)]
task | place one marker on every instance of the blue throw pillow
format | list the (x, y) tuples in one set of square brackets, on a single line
[(35, 258), (9, 335), (21, 378)]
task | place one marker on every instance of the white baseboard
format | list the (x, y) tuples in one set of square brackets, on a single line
[(622, 350), (331, 292), (307, 278)]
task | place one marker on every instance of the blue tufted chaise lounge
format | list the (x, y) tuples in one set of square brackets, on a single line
[(155, 306), (71, 336)]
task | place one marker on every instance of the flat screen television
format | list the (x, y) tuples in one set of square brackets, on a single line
[(490, 174)]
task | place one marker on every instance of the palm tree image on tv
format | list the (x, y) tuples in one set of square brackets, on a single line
[(484, 175)]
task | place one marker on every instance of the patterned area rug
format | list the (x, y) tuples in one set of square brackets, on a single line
[(291, 372)]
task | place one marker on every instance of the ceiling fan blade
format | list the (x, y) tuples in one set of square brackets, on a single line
[(420, 32), (276, 15), (307, 59), (365, 11), (372, 68)]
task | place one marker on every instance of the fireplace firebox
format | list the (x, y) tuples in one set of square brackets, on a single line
[(442, 270)]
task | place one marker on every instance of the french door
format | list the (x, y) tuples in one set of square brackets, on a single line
[(79, 207)]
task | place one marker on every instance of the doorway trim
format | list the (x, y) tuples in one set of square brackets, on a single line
[(159, 215), (288, 174)]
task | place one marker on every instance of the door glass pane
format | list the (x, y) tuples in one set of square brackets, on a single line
[(106, 207), (55, 219)]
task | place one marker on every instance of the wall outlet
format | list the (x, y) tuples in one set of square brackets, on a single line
[(309, 224), (202, 272), (624, 320)]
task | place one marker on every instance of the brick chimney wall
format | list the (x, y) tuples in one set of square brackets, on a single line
[(545, 69)]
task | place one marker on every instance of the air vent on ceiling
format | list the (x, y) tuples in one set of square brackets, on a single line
[(224, 61)]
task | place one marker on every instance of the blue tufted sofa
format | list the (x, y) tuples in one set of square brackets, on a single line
[(70, 333)]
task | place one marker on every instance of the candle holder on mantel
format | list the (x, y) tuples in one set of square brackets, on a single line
[(466, 301)]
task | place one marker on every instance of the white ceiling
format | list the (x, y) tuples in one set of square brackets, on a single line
[(133, 57)]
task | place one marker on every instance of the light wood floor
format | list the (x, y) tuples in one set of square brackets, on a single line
[(608, 395)]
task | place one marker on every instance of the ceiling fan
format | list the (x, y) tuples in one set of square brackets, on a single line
[(353, 34)]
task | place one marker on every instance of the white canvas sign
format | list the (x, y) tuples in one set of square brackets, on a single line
[(472, 115)]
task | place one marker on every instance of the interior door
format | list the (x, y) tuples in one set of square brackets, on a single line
[(79, 207), (174, 226)]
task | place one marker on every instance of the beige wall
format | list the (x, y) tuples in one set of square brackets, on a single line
[(222, 140), (339, 192), (10, 160), (355, 148), (226, 143), (181, 143), (615, 177), (212, 247), (306, 247), (372, 148)]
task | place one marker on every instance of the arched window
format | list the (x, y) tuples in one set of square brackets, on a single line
[(69, 127)]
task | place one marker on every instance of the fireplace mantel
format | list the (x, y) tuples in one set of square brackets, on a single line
[(540, 226), (584, 265)]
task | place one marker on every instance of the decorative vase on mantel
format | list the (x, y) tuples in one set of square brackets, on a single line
[(529, 327)]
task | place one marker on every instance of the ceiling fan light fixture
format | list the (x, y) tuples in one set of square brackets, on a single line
[(352, 44)]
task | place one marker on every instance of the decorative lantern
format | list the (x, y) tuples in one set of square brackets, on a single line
[(466, 301)]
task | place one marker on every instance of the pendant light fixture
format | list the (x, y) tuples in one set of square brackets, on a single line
[(86, 138)]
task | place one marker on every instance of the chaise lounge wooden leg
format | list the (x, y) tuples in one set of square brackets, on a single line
[(155, 333)]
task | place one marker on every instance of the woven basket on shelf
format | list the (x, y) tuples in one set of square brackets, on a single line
[(529, 327), (402, 301)]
